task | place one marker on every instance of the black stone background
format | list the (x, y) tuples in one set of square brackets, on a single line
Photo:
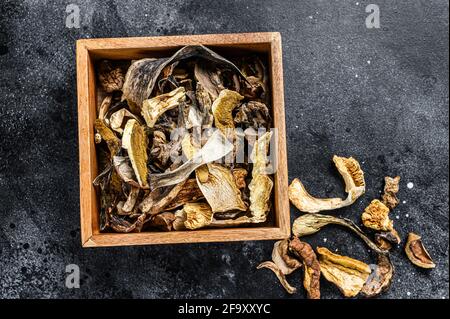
[(391, 114)]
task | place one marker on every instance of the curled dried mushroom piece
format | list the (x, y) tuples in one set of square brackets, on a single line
[(376, 216), (348, 274), (311, 266), (309, 224), (198, 215), (153, 108), (222, 109), (134, 140), (282, 264), (391, 188), (354, 186), (416, 252)]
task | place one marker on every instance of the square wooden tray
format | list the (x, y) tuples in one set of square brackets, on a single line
[(89, 51)]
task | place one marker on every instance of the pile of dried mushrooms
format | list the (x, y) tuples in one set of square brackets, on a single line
[(172, 135), (351, 276)]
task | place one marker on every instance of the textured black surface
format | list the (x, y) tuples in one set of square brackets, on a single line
[(380, 95)]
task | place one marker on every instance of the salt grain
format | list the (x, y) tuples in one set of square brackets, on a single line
[(410, 185)]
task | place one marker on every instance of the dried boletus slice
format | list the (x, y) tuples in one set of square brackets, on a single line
[(261, 184), (384, 240), (309, 224), (348, 274), (220, 190), (305, 253), (354, 186), (134, 140), (153, 108), (282, 264), (162, 221), (416, 252), (391, 188), (222, 109), (198, 215), (119, 118), (376, 216), (112, 141), (380, 279)]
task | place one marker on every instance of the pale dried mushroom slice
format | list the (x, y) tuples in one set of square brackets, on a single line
[(112, 141), (124, 170), (416, 252), (220, 190), (134, 140), (198, 215), (214, 149), (354, 186), (376, 216), (128, 206), (160, 198), (153, 108), (104, 107), (311, 266), (309, 224), (222, 109), (180, 218), (380, 278), (119, 118), (391, 188), (348, 274), (261, 185)]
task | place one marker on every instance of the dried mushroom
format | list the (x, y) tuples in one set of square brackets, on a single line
[(252, 114), (380, 278), (111, 77), (104, 107), (124, 170), (354, 186), (416, 252), (384, 240), (311, 266), (376, 216), (189, 193), (309, 224), (261, 184), (391, 188), (153, 108), (108, 136), (163, 221), (282, 264), (222, 109), (198, 215), (134, 140), (119, 118), (348, 274), (220, 190)]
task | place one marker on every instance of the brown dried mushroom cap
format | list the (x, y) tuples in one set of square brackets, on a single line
[(348, 274), (380, 279), (311, 280), (222, 109), (384, 240), (416, 252), (354, 186), (111, 77), (376, 216), (162, 221), (134, 140), (153, 108), (189, 193), (391, 188)]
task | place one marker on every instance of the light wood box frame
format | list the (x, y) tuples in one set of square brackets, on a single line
[(90, 50)]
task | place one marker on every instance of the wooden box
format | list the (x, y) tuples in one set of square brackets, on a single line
[(88, 51)]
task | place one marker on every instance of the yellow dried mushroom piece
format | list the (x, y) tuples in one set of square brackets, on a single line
[(222, 108), (376, 216), (108, 136), (416, 252), (198, 215), (348, 274), (353, 176), (153, 108), (134, 140)]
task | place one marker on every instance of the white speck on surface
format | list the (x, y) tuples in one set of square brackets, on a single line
[(310, 17), (410, 185), (338, 46), (336, 250), (404, 202), (296, 126), (368, 62), (407, 215), (408, 293), (356, 75), (357, 3), (398, 217), (324, 240)]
